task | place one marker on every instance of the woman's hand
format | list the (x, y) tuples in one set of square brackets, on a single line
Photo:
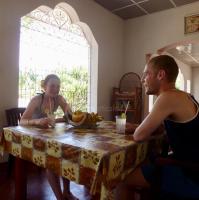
[(44, 122)]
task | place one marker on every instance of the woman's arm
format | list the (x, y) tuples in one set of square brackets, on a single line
[(65, 107), (26, 118)]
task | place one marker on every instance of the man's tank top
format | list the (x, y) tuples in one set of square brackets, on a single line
[(184, 137)]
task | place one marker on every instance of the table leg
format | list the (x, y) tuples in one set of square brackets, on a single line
[(20, 179), (95, 197)]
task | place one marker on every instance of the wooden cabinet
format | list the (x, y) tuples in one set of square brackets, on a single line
[(120, 100)]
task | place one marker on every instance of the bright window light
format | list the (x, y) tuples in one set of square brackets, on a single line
[(50, 43)]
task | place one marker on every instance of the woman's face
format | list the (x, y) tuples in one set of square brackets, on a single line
[(52, 87)]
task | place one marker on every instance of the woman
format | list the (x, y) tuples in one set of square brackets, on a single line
[(39, 113)]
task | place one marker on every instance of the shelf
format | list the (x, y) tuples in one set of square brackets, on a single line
[(120, 101), (120, 110), (125, 98)]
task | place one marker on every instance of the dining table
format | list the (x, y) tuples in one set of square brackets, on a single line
[(97, 158)]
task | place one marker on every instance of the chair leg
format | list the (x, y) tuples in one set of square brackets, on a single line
[(137, 196), (143, 194), (11, 162), (146, 195)]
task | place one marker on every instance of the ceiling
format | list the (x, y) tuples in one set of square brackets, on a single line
[(188, 54), (128, 9)]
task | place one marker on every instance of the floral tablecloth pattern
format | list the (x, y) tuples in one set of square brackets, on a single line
[(97, 158)]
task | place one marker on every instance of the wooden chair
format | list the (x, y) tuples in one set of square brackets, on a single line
[(170, 161), (165, 159), (13, 117)]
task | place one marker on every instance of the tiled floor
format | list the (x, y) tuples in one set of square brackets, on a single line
[(38, 186)]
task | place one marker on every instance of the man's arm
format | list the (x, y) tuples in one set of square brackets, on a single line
[(163, 107)]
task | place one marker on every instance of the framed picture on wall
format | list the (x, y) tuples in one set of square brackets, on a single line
[(191, 24)]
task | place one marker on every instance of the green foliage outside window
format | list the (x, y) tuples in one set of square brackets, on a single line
[(74, 86)]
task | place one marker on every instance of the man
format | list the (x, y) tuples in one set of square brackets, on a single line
[(180, 113)]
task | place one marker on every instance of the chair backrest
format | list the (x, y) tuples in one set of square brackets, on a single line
[(129, 82), (13, 116)]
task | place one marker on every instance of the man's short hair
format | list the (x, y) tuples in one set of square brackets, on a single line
[(168, 64)]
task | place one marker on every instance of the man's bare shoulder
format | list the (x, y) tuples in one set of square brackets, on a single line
[(171, 97), (172, 94)]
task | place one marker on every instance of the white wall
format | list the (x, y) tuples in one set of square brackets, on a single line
[(107, 29), (122, 44), (195, 82), (149, 33)]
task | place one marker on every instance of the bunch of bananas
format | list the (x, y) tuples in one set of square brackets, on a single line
[(85, 119), (93, 118), (78, 116)]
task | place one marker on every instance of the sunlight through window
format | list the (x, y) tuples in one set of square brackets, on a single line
[(180, 81), (50, 43), (188, 86)]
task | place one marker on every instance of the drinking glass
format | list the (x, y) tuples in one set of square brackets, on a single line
[(120, 124)]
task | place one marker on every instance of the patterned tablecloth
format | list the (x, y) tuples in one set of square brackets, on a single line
[(97, 158)]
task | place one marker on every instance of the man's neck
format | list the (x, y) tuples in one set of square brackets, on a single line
[(166, 87)]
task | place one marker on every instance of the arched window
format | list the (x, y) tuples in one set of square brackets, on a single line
[(53, 41), (180, 81)]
